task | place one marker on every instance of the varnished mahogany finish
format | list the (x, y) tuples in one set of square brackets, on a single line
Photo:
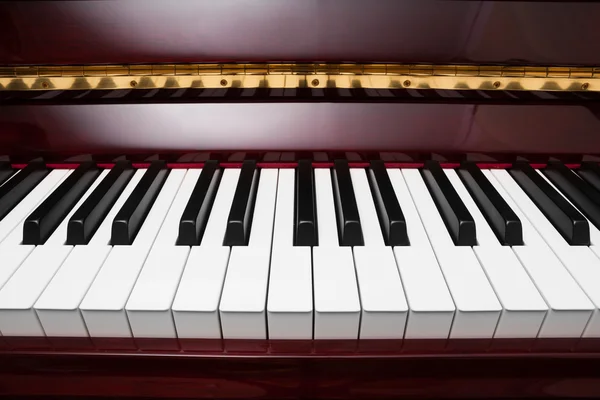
[(392, 158), (375, 369), (369, 374), (543, 131), (417, 31)]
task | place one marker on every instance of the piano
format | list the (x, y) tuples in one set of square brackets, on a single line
[(300, 199)]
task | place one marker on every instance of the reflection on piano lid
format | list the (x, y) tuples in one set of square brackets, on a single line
[(56, 131), (438, 31)]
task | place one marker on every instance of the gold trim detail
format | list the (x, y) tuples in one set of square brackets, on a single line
[(366, 76)]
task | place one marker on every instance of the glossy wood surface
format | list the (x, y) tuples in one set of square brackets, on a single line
[(46, 130), (419, 31), (330, 369), (206, 376)]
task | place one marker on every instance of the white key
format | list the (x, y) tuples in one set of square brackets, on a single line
[(431, 309), (570, 309), (326, 220), (196, 305), (149, 305), (372, 234), (581, 261), (261, 234), (103, 307), (384, 308), (58, 306), (290, 298), (283, 231), (244, 297), (12, 252), (17, 316), (478, 308), (523, 307), (19, 294), (217, 221), (337, 303)]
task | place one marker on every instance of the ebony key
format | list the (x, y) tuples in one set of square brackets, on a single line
[(305, 213), (86, 220), (581, 194), (195, 216), (456, 216), (240, 216), (566, 219), (391, 218), (590, 172), (503, 220), (15, 190), (349, 227), (47, 216), (132, 215)]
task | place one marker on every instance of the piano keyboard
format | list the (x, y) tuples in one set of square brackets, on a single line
[(300, 253)]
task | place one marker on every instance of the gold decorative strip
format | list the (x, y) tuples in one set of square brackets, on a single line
[(367, 76)]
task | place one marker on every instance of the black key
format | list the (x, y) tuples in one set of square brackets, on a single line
[(86, 220), (581, 194), (132, 215), (6, 171), (456, 216), (195, 216), (566, 219), (242, 208), (349, 228), (305, 215), (15, 190), (590, 172), (390, 214), (45, 219), (503, 220)]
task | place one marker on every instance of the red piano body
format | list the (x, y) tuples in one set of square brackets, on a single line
[(403, 81)]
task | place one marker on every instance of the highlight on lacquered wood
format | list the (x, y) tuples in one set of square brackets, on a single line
[(564, 347)]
